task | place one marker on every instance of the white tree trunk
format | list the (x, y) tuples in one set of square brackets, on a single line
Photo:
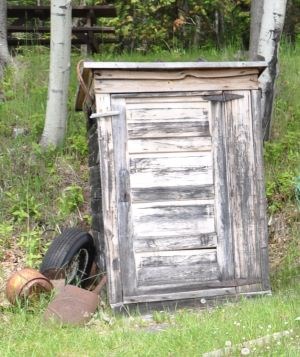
[(270, 32), (4, 53), (60, 53), (257, 7)]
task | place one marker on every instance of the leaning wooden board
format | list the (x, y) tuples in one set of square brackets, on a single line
[(182, 180)]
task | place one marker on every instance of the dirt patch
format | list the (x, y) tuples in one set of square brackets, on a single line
[(13, 260), (281, 227)]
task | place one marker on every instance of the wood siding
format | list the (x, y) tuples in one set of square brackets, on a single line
[(170, 209), (182, 183), (175, 80)]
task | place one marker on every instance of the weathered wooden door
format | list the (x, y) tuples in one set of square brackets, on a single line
[(171, 219)]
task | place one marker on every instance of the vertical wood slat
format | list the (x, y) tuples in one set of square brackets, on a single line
[(222, 206), (121, 160), (262, 231), (107, 172), (242, 171)]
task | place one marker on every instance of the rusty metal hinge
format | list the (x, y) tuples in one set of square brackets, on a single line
[(225, 97)]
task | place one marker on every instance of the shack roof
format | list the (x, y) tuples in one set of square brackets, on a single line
[(173, 65), (89, 67)]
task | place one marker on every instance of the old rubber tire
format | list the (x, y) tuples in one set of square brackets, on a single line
[(70, 256)]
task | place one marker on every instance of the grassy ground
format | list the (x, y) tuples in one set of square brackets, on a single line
[(43, 192), (187, 333)]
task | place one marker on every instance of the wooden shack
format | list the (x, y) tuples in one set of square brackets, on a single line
[(178, 199)]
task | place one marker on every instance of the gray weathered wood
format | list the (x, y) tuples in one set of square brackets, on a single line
[(179, 144), (162, 97), (195, 285), (174, 74), (123, 204), (222, 203), (156, 244), (176, 274), (242, 176), (109, 200), (225, 97), (173, 218), (180, 295), (260, 197), (180, 101), (94, 178), (96, 192), (171, 267), (176, 193), (96, 205), (184, 208), (166, 170), (187, 84), (158, 115), (261, 65), (97, 222), (166, 129), (175, 258)]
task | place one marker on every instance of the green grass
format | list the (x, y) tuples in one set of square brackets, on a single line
[(37, 187), (27, 208), (282, 170), (187, 333), (282, 154), (40, 193)]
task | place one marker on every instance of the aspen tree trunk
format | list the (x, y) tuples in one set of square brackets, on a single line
[(256, 12), (60, 53), (266, 47), (197, 34), (4, 53)]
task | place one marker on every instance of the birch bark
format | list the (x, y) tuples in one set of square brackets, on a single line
[(60, 53), (266, 46), (4, 53), (257, 7)]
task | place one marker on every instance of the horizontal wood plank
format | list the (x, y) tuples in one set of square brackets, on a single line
[(181, 295), (167, 129), (167, 114), (167, 85), (178, 144), (156, 244), (165, 275), (167, 102), (177, 193), (143, 99), (175, 218), (175, 74), (175, 65), (178, 170), (195, 285), (175, 258)]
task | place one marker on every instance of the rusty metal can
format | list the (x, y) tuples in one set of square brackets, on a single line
[(26, 283)]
